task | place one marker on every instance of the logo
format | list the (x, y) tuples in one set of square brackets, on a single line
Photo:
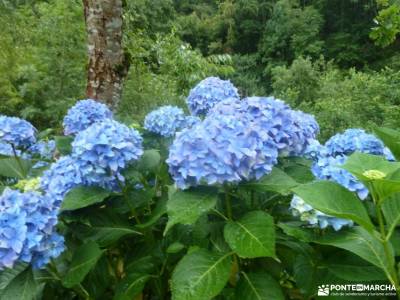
[(323, 290)]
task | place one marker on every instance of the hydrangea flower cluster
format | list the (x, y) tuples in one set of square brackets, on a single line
[(83, 114), (328, 160), (165, 120), (292, 131), (315, 217), (17, 132), (62, 176), (7, 150), (105, 148), (220, 150), (27, 222), (209, 92), (45, 149)]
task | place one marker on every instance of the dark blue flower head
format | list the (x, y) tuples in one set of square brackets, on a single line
[(27, 228), (105, 148), (45, 149), (220, 150), (315, 217), (165, 120), (17, 132), (62, 176), (83, 114), (209, 92)]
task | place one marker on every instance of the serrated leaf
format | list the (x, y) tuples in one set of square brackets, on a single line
[(7, 275), (277, 181), (335, 200), (107, 227), (200, 275), (185, 207), (83, 260), (11, 167), (252, 236), (258, 286), (360, 242), (22, 287), (83, 196), (131, 286)]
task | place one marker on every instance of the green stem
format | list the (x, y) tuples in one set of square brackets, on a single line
[(385, 242), (228, 204)]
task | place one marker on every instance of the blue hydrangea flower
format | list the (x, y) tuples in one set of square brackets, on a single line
[(209, 92), (190, 121), (220, 150), (105, 148), (27, 226), (352, 140), (7, 150), (17, 132), (62, 176), (165, 120), (292, 131), (45, 149), (315, 217), (329, 168), (83, 114)]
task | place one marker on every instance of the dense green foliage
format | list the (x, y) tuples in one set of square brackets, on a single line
[(317, 54)]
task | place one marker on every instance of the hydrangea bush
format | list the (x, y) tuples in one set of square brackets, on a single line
[(237, 201)]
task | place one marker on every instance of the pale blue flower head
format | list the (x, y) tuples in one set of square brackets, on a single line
[(352, 140), (190, 121), (7, 150), (45, 149), (209, 92), (17, 132), (63, 175), (83, 114), (220, 150), (105, 148), (292, 131), (27, 224), (315, 217), (165, 121)]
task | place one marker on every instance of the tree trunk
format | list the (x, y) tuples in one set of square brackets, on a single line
[(107, 63)]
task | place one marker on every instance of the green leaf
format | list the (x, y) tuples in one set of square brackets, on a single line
[(83, 196), (252, 236), (149, 161), (391, 138), (200, 275), (360, 242), (7, 275), (277, 181), (83, 260), (391, 212), (107, 227), (22, 287), (294, 230), (361, 273), (258, 286), (131, 286), (185, 207), (157, 213), (63, 144), (11, 167), (175, 247), (335, 200)]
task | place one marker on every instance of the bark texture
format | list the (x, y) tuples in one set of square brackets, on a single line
[(107, 66)]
